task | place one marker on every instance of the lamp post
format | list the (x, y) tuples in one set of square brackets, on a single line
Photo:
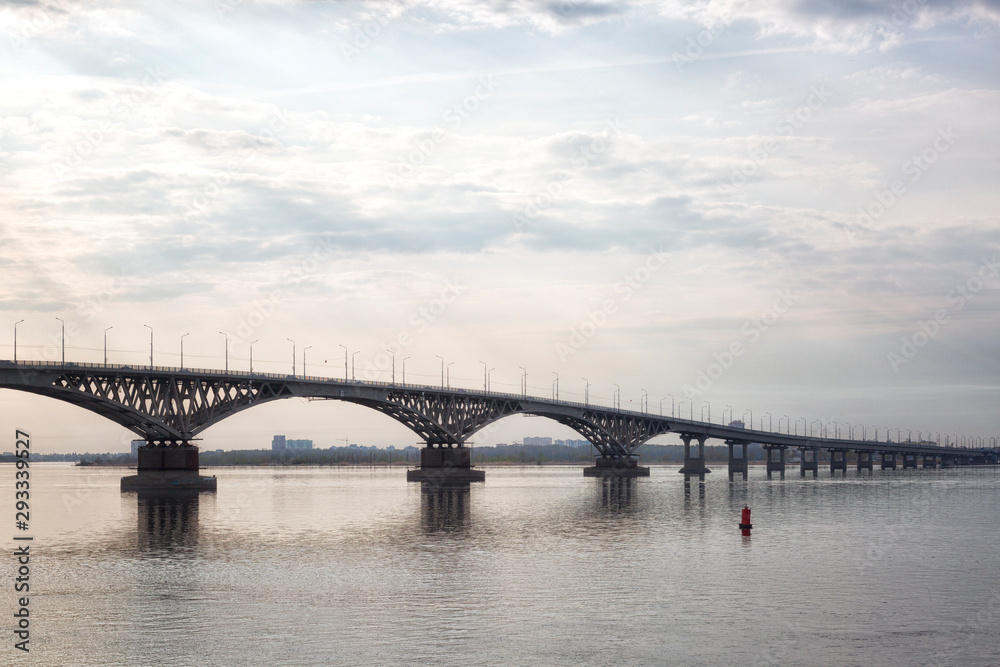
[(586, 391), (404, 370), (616, 402), (555, 387), (645, 397), (150, 345), (485, 380), (442, 369), (64, 342), (768, 415), (182, 350), (15, 343), (690, 401), (661, 405), (304, 374), (524, 381), (671, 404), (820, 427), (345, 362), (393, 353), (353, 354), (803, 420), (227, 353), (787, 423), (489, 378), (106, 347), (709, 406), (447, 375), (730, 408), (251, 355), (293, 355), (751, 418)]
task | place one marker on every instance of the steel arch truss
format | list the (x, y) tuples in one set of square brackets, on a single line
[(443, 419), (614, 435), (163, 408)]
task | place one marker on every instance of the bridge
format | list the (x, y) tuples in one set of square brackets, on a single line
[(169, 407)]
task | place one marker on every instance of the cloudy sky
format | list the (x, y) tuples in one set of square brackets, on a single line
[(778, 207)]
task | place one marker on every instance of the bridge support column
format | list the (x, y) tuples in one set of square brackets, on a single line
[(164, 467), (808, 460), (775, 459), (694, 457), (865, 461), (838, 461), (444, 465), (930, 461), (909, 461), (888, 460), (737, 459), (612, 466)]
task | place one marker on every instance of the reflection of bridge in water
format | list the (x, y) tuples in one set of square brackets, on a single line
[(169, 407)]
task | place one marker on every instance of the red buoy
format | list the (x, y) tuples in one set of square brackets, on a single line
[(745, 519)]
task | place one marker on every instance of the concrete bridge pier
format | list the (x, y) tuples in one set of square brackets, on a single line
[(694, 458), (930, 461), (888, 461), (737, 459), (445, 464), (168, 467), (909, 461), (865, 461), (838, 461), (775, 459), (808, 460), (616, 466)]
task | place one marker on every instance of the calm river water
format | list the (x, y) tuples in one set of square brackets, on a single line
[(538, 566)]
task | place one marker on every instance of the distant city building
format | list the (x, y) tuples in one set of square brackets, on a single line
[(136, 444), (537, 441), (573, 443), (278, 443), (299, 444)]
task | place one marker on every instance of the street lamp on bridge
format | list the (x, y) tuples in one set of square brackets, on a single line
[(442, 369), (524, 381), (768, 415), (345, 361), (750, 412), (403, 364), (812, 423), (150, 345), (803, 420), (307, 347), (64, 342), (671, 404), (645, 397), (489, 378), (15, 345), (447, 375), (788, 422), (293, 355), (616, 401), (690, 407), (227, 353), (353, 354), (709, 406), (485, 381), (730, 408), (586, 391), (106, 346), (251, 355), (182, 351), (393, 353), (555, 387)]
